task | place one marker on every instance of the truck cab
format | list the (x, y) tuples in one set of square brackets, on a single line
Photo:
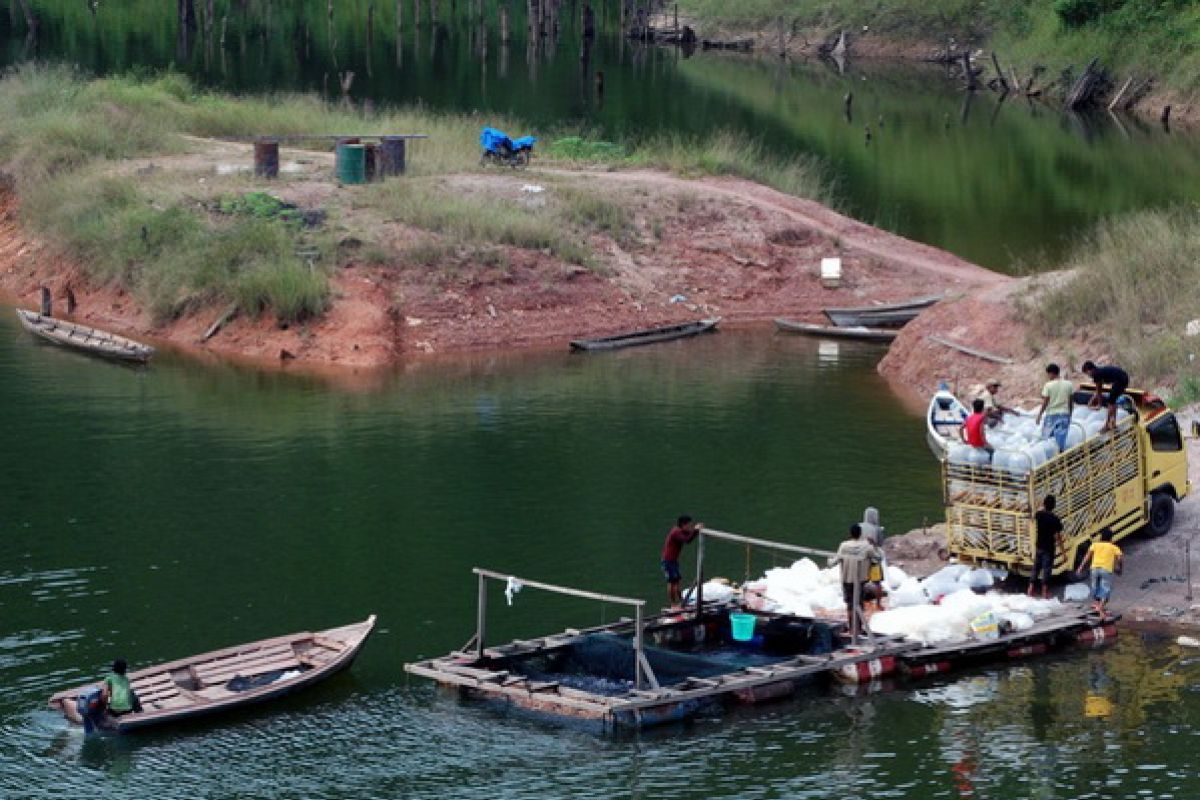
[(1164, 453)]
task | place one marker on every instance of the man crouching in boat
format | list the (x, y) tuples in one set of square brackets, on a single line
[(98, 708)]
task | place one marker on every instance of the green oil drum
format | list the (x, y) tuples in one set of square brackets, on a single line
[(351, 163)]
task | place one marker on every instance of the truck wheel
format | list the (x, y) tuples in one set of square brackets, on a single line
[(1162, 514)]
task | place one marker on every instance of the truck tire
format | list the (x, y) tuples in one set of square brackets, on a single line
[(1162, 514)]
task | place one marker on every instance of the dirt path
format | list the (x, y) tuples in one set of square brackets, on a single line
[(850, 233)]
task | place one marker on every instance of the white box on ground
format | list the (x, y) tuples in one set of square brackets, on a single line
[(831, 272)]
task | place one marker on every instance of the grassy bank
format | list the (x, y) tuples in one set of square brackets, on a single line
[(1153, 37), (80, 154), (1136, 283), (65, 138)]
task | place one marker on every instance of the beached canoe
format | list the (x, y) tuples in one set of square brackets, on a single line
[(231, 678), (944, 419), (81, 337), (881, 316), (650, 336), (862, 333)]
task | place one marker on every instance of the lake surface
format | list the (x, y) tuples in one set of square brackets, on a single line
[(157, 513), (1008, 185)]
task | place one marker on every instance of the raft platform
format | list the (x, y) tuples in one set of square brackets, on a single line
[(644, 671)]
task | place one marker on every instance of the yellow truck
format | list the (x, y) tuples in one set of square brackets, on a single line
[(1127, 480)]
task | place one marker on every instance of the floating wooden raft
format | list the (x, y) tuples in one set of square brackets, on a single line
[(649, 336), (478, 677), (81, 337), (205, 684), (829, 331)]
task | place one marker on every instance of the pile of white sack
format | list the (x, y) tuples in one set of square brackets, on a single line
[(1019, 445), (937, 609)]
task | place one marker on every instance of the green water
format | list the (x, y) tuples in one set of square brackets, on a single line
[(163, 512), (1008, 185), (156, 513)]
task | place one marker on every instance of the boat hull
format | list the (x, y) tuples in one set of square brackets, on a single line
[(857, 333), (651, 336), (261, 658), (881, 316), (84, 339), (943, 419)]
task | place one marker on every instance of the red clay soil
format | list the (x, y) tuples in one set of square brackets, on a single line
[(988, 321), (740, 251)]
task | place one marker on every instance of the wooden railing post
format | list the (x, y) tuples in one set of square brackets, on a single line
[(481, 617)]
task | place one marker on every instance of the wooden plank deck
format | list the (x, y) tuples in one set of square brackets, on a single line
[(554, 698)]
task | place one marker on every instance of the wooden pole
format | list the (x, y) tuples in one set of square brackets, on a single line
[(481, 616), (999, 72), (637, 646), (767, 543), (700, 575), (1187, 555)]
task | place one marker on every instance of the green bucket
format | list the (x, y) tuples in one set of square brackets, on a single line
[(351, 163), (743, 626)]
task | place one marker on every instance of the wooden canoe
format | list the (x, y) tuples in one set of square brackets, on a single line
[(943, 420), (888, 315), (205, 684), (861, 333), (81, 337), (650, 336)]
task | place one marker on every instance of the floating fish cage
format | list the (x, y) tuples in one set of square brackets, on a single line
[(644, 671)]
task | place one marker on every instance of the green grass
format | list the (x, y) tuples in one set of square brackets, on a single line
[(61, 130), (1137, 279), (1187, 391), (727, 153), (476, 219), (177, 257), (722, 153)]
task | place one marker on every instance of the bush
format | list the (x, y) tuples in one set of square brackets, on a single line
[(1138, 277), (175, 257), (1075, 13)]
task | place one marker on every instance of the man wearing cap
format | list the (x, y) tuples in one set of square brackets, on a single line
[(991, 403)]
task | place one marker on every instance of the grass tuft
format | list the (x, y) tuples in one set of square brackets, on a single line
[(1138, 278)]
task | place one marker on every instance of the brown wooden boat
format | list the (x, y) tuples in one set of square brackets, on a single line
[(230, 678), (81, 337)]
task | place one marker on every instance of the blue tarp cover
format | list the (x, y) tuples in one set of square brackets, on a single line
[(492, 140)]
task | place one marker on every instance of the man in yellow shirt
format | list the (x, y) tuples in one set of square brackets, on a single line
[(1105, 559)]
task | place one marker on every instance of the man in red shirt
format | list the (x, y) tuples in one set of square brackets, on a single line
[(684, 531), (972, 431)]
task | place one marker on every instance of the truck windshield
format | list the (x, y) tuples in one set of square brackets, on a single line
[(1165, 435)]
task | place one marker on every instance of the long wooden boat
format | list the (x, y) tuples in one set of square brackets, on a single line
[(230, 678), (862, 333), (650, 336), (81, 337), (887, 315)]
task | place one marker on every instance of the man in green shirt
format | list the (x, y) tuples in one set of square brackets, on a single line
[(118, 696), (1057, 400)]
